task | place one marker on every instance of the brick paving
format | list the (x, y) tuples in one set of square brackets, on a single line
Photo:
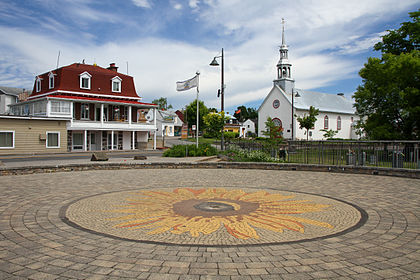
[(35, 243)]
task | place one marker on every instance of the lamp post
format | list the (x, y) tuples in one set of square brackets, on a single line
[(222, 90), (293, 114)]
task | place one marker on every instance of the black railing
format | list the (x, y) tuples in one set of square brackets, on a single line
[(392, 154)]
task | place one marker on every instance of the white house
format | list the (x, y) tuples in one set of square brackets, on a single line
[(284, 101), (247, 126), (168, 122), (9, 96)]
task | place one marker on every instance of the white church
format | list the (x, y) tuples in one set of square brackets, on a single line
[(284, 102)]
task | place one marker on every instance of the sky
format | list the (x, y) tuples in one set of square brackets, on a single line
[(160, 42)]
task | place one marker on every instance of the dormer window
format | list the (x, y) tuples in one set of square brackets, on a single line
[(116, 84), (51, 80), (38, 84), (85, 79)]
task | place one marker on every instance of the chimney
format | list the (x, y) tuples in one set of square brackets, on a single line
[(340, 94), (112, 67)]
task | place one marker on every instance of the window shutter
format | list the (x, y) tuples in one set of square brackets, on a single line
[(92, 112), (77, 110)]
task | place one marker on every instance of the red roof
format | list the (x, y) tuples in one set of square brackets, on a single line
[(78, 97), (67, 78)]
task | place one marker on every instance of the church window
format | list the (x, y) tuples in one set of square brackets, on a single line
[(277, 122), (276, 104), (326, 122), (338, 123)]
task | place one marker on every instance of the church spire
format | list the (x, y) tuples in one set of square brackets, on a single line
[(283, 42), (284, 67)]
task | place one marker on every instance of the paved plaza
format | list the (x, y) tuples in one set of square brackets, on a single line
[(223, 224)]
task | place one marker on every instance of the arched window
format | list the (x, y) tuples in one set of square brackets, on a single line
[(289, 72), (277, 122), (338, 123), (326, 122)]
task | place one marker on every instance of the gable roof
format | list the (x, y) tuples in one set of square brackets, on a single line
[(325, 102), (67, 78), (12, 91)]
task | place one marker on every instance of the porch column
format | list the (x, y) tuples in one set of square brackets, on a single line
[(48, 107), (154, 140), (102, 114), (112, 140), (129, 115), (133, 139), (85, 140), (71, 112)]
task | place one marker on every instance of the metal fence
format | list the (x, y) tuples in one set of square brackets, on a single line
[(393, 154)]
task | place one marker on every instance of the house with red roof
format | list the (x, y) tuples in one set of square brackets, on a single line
[(100, 105)]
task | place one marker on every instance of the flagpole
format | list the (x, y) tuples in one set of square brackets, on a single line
[(198, 84)]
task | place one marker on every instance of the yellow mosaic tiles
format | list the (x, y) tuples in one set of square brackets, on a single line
[(204, 211)]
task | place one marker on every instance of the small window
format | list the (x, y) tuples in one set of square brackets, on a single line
[(51, 80), (326, 122), (338, 123), (53, 139), (38, 84), (85, 80), (116, 84), (7, 139)]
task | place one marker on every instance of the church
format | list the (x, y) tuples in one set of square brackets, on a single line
[(284, 103)]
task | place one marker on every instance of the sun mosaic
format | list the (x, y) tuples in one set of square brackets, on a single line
[(212, 216)]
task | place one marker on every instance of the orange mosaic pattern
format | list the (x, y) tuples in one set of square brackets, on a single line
[(204, 211)]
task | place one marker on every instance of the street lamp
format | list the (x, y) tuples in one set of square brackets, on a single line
[(222, 91), (293, 107)]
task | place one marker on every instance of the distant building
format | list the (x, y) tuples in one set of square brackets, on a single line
[(168, 123), (336, 112), (9, 96), (247, 127), (101, 108)]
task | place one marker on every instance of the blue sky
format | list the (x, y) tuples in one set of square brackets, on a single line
[(164, 41)]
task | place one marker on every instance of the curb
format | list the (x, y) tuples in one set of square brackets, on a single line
[(396, 172)]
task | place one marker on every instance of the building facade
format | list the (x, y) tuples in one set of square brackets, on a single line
[(103, 109), (284, 103)]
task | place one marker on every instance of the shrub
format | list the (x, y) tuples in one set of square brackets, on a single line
[(193, 151), (228, 135), (241, 155)]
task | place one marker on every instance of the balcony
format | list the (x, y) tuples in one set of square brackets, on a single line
[(110, 125)]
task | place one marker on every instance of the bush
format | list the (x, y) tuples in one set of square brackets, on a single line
[(241, 155), (230, 135), (193, 151)]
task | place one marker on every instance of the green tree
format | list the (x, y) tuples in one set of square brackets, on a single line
[(162, 103), (192, 113), (329, 134), (243, 113), (308, 121), (214, 123), (402, 40), (389, 98), (273, 132)]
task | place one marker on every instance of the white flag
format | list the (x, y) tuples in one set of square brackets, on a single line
[(188, 84)]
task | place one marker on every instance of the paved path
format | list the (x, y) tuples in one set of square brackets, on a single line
[(35, 243)]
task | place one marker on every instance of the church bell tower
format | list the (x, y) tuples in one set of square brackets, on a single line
[(284, 67)]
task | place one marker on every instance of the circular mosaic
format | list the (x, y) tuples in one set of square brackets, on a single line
[(213, 216)]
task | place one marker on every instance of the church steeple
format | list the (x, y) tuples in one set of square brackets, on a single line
[(284, 67)]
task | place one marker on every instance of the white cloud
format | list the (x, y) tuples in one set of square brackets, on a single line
[(177, 6), (142, 3)]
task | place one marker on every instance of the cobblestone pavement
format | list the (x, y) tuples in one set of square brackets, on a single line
[(35, 243)]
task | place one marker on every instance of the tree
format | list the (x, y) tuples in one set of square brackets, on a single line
[(162, 103), (214, 123), (308, 121), (329, 134), (389, 98), (402, 40), (192, 113), (273, 132), (243, 113)]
